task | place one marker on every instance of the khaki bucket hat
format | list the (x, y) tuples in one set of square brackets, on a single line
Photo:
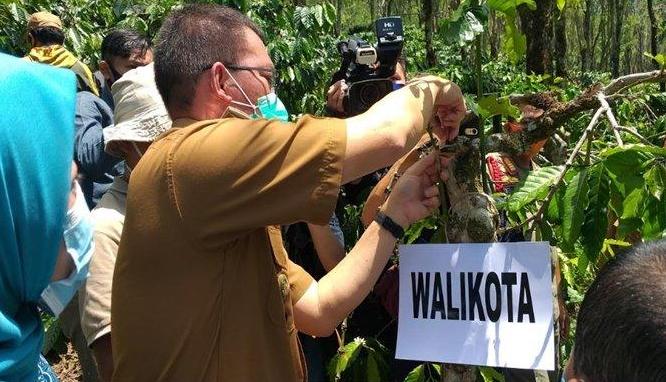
[(139, 115), (44, 19)]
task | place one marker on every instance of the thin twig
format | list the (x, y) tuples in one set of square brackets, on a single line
[(384, 328), (635, 134), (611, 118), (621, 83), (553, 188), (647, 107), (443, 200)]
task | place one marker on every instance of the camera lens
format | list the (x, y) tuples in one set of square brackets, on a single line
[(369, 94)]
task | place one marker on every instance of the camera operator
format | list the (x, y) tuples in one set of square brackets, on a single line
[(336, 92)]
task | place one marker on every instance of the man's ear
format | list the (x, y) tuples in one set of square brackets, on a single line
[(218, 80), (106, 71)]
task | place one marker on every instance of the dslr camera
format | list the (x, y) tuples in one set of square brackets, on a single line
[(367, 69)]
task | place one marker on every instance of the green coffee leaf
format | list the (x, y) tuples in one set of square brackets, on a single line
[(535, 186), (491, 106), (655, 179), (575, 201), (426, 372), (596, 214)]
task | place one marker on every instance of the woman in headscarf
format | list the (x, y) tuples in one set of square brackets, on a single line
[(44, 234)]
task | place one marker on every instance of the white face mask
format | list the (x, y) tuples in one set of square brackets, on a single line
[(249, 102)]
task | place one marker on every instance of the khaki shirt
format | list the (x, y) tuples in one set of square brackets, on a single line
[(203, 289), (95, 295)]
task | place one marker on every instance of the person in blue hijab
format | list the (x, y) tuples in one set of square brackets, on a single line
[(36, 229)]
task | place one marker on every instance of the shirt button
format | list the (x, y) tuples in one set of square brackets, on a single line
[(284, 285)]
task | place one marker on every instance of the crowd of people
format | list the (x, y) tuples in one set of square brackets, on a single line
[(183, 229)]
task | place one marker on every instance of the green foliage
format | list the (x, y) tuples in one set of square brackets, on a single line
[(490, 375), (534, 187), (301, 42), (574, 203), (466, 22), (491, 106), (596, 213), (53, 337), (659, 59), (427, 372), (364, 359)]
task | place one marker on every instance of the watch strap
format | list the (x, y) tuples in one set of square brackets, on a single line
[(388, 224)]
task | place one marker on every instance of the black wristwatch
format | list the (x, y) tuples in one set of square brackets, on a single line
[(388, 224)]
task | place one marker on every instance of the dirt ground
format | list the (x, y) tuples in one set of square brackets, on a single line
[(66, 365)]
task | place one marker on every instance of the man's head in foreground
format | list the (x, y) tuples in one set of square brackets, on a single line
[(621, 330), (45, 29), (209, 57), (122, 51)]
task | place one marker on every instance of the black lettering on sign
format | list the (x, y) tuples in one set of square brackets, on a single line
[(493, 313), (452, 312), (428, 298), (438, 298), (420, 293), (525, 300), (463, 297), (474, 295), (509, 279)]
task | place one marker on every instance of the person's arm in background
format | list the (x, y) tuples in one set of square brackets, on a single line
[(92, 116), (329, 243)]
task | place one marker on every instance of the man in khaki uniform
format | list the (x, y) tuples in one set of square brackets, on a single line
[(203, 289), (140, 118)]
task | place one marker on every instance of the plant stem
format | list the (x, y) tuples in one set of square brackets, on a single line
[(635, 134), (553, 189), (611, 118), (443, 199)]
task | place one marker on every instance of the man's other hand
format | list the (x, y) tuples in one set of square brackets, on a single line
[(335, 95), (415, 195)]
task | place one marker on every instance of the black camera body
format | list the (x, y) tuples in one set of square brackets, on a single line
[(367, 69)]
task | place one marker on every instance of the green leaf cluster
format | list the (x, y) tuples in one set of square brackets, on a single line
[(363, 359)]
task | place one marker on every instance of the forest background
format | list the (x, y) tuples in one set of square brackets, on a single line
[(573, 83)]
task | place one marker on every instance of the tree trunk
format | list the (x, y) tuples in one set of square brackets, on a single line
[(453, 5), (616, 22), (389, 8), (654, 43), (339, 6), (586, 51), (373, 10), (537, 26), (561, 45), (429, 16), (495, 28)]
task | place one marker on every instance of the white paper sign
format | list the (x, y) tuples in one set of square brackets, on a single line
[(477, 304)]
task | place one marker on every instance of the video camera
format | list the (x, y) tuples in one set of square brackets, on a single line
[(367, 69)]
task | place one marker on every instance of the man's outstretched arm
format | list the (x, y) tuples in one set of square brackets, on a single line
[(327, 302)]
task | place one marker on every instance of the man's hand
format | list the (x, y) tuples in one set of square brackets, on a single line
[(415, 194), (449, 109), (335, 95)]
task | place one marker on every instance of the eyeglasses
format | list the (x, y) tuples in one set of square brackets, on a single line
[(268, 73)]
